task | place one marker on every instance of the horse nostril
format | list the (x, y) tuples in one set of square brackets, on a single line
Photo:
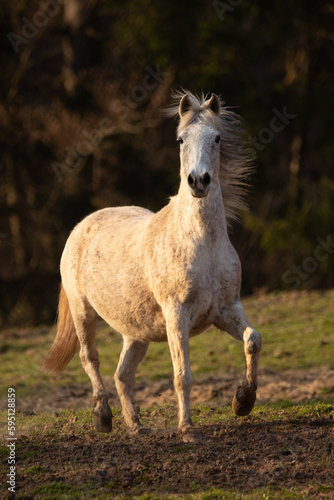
[(205, 179), (191, 180)]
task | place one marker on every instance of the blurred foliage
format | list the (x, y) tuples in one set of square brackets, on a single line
[(82, 87)]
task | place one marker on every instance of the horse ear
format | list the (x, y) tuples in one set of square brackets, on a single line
[(185, 105), (214, 104)]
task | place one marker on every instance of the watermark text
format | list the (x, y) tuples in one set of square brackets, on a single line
[(11, 475), (277, 123), (297, 274)]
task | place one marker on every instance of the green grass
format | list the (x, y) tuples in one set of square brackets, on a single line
[(3, 448), (58, 490), (297, 331), (79, 421), (34, 470), (55, 425)]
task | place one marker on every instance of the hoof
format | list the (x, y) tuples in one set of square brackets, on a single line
[(142, 431), (243, 401), (103, 423), (192, 436)]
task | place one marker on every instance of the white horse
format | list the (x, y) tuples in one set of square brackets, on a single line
[(166, 276)]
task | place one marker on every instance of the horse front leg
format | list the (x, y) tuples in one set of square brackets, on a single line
[(178, 340), (233, 320)]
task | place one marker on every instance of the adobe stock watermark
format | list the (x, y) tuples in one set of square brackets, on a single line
[(277, 123), (296, 274), (150, 82), (11, 475), (91, 140), (31, 27), (222, 7)]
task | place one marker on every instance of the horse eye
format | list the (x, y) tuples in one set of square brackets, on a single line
[(217, 139), (180, 140)]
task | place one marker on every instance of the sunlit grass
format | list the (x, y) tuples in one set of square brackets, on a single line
[(66, 422), (297, 331)]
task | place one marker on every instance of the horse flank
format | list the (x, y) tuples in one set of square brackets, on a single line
[(236, 155)]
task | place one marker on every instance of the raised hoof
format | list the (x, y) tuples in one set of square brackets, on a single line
[(243, 401), (103, 423), (192, 436)]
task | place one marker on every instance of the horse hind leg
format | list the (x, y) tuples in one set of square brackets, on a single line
[(132, 354), (84, 318), (233, 320)]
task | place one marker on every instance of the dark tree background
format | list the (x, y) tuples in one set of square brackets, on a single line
[(82, 88)]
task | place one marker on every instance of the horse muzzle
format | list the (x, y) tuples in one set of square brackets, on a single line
[(199, 184)]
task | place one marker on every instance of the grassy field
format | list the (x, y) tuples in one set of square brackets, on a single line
[(297, 330), (296, 440)]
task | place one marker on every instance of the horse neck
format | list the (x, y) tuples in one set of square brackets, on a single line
[(202, 218)]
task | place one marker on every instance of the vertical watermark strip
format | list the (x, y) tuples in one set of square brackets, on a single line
[(11, 475)]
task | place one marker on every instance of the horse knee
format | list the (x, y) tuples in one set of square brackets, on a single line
[(252, 341)]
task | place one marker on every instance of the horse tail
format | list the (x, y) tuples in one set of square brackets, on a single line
[(66, 342)]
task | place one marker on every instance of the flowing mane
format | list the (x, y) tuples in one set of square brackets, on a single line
[(236, 155)]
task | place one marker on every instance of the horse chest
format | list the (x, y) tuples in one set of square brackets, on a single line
[(207, 299), (218, 270), (210, 281)]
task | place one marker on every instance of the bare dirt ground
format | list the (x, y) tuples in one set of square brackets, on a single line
[(294, 457), (291, 455)]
